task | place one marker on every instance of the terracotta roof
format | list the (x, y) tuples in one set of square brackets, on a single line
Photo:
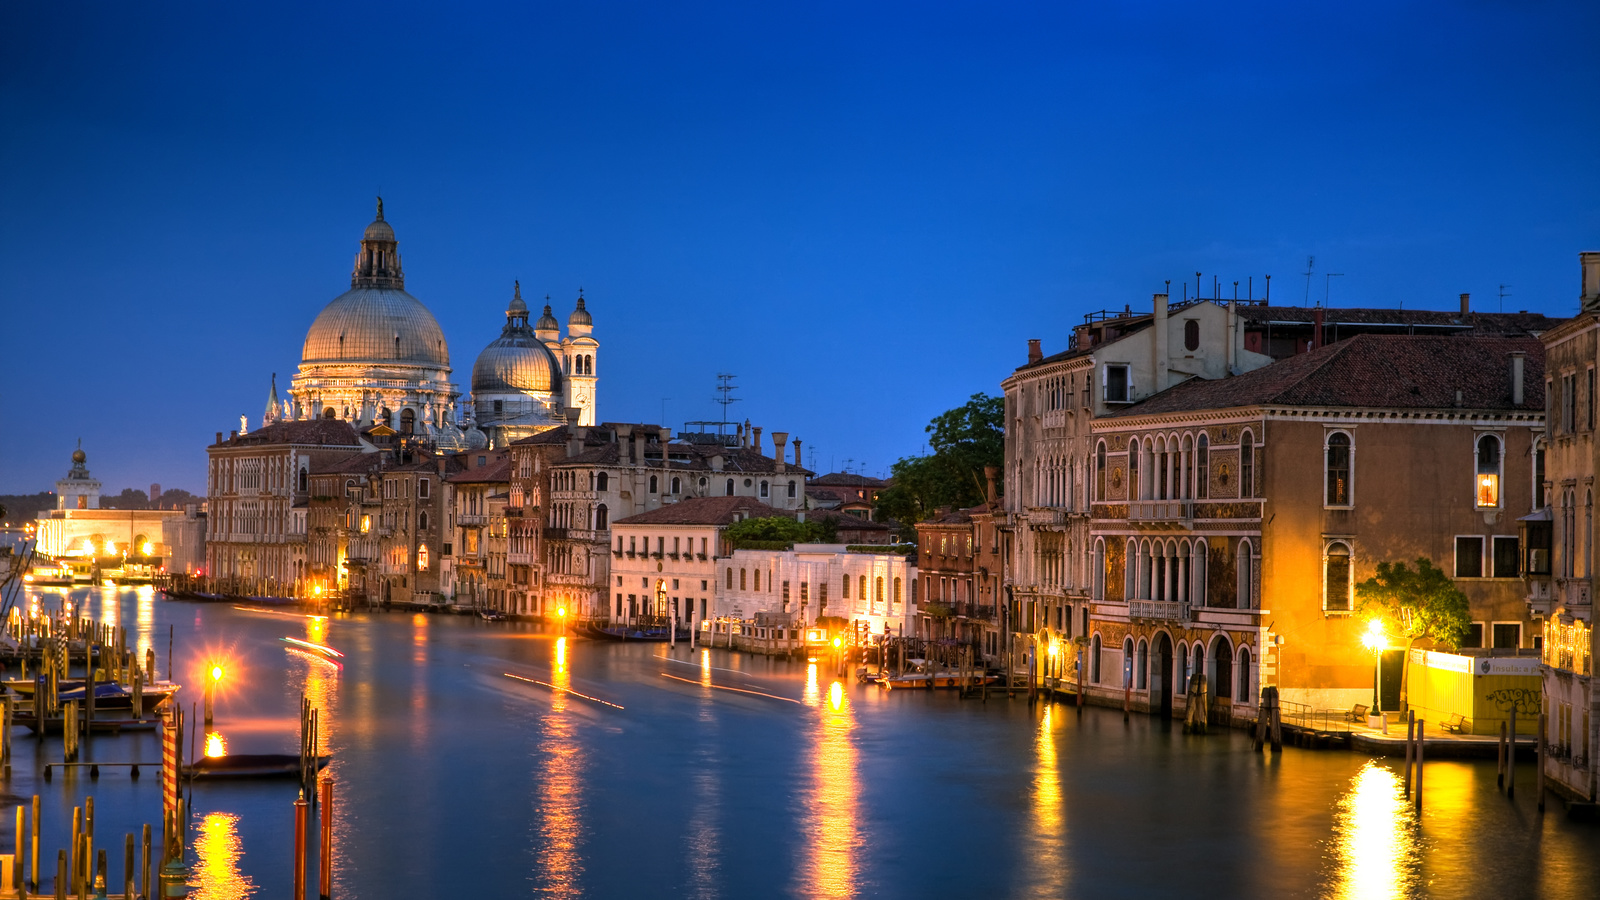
[(498, 471), (1520, 324), (705, 511), (847, 479), (951, 517), (1386, 371), (308, 431), (844, 520), (354, 464)]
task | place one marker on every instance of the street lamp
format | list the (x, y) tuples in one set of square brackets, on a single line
[(211, 689), (1374, 640)]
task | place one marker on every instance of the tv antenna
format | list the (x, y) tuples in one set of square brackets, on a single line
[(1311, 265), (1503, 295), (725, 397), (1327, 281)]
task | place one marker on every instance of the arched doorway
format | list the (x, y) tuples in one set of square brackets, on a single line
[(1222, 670), (1161, 675)]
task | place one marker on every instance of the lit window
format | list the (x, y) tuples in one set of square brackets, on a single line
[(1337, 466), (1488, 476)]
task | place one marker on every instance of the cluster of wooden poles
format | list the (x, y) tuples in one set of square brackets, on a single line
[(82, 869), (1506, 778)]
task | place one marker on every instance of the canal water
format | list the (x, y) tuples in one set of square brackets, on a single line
[(637, 771)]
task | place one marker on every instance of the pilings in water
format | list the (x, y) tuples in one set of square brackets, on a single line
[(1269, 720), (1198, 715)]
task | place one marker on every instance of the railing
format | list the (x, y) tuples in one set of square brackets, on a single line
[(1303, 716), (555, 534), (1160, 511), (471, 519), (1047, 515), (1168, 610), (1577, 593)]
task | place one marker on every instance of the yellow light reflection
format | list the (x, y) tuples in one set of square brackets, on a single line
[(144, 621), (830, 827), (216, 746), (560, 802), (317, 629), (705, 840), (217, 851), (1048, 835), (1375, 850)]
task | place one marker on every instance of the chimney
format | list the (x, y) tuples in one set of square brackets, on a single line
[(219, 437), (665, 435), (780, 447), (1316, 323), (624, 437), (1466, 303), (1035, 354), (989, 472), (747, 441), (1517, 357), (1162, 340), (797, 463), (738, 434), (716, 462), (232, 435), (575, 436), (440, 459), (1590, 298), (636, 449), (755, 440)]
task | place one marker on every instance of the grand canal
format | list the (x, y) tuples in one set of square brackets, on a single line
[(623, 771)]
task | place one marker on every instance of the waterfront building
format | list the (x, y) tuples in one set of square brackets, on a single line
[(665, 560), (1559, 540), (1232, 518), (341, 540), (873, 592), (257, 497), (960, 566), (572, 482), (79, 530), (472, 575)]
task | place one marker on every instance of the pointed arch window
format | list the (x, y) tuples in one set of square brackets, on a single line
[(1100, 471), (1337, 456), (1135, 492), (1336, 577), (1487, 485), (1247, 464)]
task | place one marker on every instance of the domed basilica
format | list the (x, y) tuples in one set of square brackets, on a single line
[(376, 356)]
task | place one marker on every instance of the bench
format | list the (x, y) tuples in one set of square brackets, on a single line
[(1456, 724), (1357, 713)]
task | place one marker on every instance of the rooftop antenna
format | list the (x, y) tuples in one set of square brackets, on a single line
[(1197, 287), (1503, 295), (1327, 279), (725, 398), (1268, 299), (1311, 265), (1236, 292)]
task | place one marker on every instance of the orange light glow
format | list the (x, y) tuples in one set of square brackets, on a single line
[(838, 642), (216, 673), (561, 612), (216, 747)]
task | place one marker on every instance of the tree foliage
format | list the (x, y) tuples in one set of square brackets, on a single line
[(780, 529), (1421, 604), (964, 440)]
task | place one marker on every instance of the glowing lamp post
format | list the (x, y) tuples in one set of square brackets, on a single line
[(1374, 640), (215, 676)]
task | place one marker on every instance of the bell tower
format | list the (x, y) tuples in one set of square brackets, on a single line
[(581, 349)]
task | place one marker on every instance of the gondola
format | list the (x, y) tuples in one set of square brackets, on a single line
[(250, 765), (659, 634)]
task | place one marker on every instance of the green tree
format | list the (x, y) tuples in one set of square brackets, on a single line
[(1420, 604), (776, 530), (964, 440)]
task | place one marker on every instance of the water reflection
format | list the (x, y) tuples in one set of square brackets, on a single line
[(217, 852), (830, 827), (1047, 852), (559, 802), (1375, 845), (704, 840), (144, 615)]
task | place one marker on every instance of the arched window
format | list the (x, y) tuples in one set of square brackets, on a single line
[(1127, 662), (1197, 590), (1141, 666), (1247, 464), (677, 485), (330, 413), (602, 481), (1135, 489), (755, 580), (1336, 577), (652, 484), (408, 421), (1191, 334), (1202, 467), (1488, 478), (730, 487), (878, 587), (1100, 471), (1243, 694), (792, 488), (1220, 679), (1336, 470), (743, 584), (1098, 585), (1244, 570), (764, 490), (863, 586), (730, 578), (845, 590), (1197, 662), (303, 479), (1094, 660), (422, 521), (896, 597), (600, 518)]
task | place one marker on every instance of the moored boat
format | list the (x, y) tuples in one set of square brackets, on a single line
[(250, 765)]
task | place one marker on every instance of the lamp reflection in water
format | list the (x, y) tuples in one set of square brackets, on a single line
[(830, 830), (144, 616), (1047, 855), (1375, 847), (704, 838), (217, 851), (557, 864)]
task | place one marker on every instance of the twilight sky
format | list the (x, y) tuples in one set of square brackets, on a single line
[(863, 210)]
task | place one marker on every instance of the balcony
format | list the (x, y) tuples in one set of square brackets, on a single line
[(471, 519), (1046, 515), (1161, 610), (1161, 513), (1540, 598), (555, 534), (1576, 594)]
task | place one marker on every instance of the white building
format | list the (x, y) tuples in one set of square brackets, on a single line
[(874, 591), (664, 562)]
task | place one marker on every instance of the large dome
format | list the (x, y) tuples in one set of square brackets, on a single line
[(516, 364), (378, 325)]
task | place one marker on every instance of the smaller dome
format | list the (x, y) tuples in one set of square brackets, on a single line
[(78, 456), (379, 230), (580, 316), (516, 299), (547, 322)]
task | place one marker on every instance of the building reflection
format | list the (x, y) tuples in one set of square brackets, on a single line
[(217, 851), (1047, 857), (144, 617), (704, 837), (830, 830), (560, 801), (1375, 844)]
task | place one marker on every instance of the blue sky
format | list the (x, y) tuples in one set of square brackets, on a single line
[(863, 210)]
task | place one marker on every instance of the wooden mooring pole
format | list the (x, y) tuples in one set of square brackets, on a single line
[(1421, 747), (1411, 737), (325, 865), (1500, 759), (300, 847), (1511, 757)]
